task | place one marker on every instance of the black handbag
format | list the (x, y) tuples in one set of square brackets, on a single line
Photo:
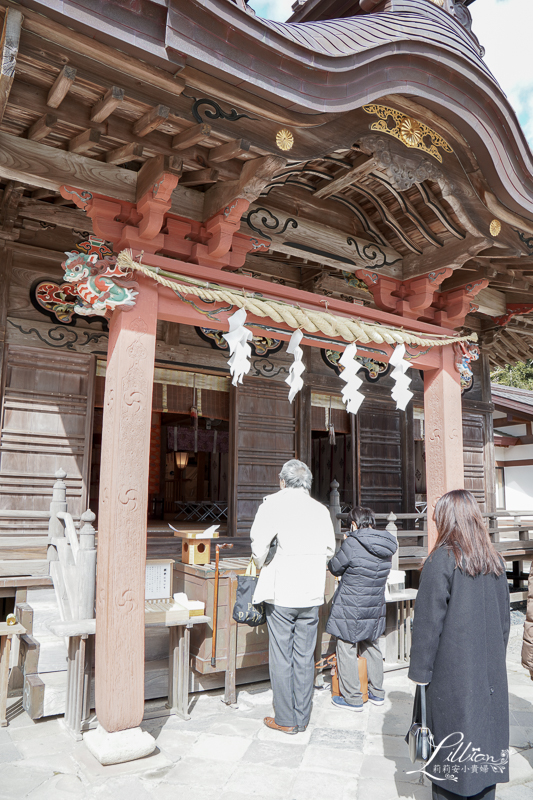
[(244, 609), (419, 738)]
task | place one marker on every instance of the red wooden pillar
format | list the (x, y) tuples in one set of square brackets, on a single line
[(443, 434), (119, 678)]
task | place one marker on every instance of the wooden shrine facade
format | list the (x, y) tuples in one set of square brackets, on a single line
[(359, 179)]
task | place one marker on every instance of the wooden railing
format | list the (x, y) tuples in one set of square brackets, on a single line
[(511, 532)]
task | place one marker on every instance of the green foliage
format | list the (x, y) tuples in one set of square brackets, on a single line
[(519, 375)]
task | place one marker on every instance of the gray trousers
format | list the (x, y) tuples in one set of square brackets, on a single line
[(291, 661), (348, 670)]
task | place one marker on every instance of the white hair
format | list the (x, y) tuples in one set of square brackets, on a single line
[(296, 475)]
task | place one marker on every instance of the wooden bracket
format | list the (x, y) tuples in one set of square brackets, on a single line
[(513, 310), (156, 180), (452, 307), (411, 299), (146, 224)]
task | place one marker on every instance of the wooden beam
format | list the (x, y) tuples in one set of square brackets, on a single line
[(191, 136), (153, 170), (9, 45), (50, 168), (225, 152), (39, 165), (84, 142), (454, 255), (299, 237), (347, 179), (151, 120), (38, 194), (40, 129), (198, 177), (109, 102), (121, 155), (61, 87), (29, 208)]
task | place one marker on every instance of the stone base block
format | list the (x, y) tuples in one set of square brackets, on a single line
[(118, 747)]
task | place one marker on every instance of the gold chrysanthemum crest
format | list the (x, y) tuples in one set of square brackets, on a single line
[(409, 131), (284, 139), (495, 227)]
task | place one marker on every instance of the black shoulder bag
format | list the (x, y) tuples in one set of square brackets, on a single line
[(244, 609), (419, 737)]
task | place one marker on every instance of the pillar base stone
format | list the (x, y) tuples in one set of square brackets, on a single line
[(118, 747)]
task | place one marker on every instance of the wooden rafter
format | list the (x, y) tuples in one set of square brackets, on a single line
[(431, 201), (151, 120), (40, 129), (9, 45), (191, 136), (84, 141), (347, 179), (124, 154), (109, 103), (61, 87), (229, 150), (409, 210), (387, 217)]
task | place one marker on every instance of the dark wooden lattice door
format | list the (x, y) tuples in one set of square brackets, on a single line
[(263, 437), (381, 479)]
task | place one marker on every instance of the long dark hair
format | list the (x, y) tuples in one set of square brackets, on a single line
[(460, 528), (363, 517)]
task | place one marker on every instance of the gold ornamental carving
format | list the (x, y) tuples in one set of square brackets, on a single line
[(284, 139), (409, 131), (495, 227)]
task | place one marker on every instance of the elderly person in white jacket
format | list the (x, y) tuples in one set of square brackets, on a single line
[(292, 587)]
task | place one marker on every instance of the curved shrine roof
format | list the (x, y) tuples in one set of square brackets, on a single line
[(416, 21)]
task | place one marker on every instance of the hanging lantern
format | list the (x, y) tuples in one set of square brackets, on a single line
[(182, 459)]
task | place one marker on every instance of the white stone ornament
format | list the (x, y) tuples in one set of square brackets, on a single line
[(351, 395), (240, 351), (400, 392), (297, 367)]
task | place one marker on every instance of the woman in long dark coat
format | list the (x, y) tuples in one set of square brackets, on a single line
[(460, 632)]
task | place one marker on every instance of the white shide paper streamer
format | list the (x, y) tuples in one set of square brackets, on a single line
[(240, 351), (400, 392), (297, 367), (350, 394)]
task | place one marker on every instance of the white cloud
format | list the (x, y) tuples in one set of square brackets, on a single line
[(504, 29)]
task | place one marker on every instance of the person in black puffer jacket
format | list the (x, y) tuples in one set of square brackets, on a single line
[(357, 616)]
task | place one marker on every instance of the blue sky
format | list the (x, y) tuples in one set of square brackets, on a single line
[(502, 26)]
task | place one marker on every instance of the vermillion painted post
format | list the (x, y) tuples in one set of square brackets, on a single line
[(443, 434), (123, 513)]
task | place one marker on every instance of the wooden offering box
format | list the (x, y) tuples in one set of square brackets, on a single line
[(242, 651)]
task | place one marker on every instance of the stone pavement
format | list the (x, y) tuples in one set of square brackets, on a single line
[(226, 753)]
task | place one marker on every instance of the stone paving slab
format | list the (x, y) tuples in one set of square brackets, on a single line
[(226, 753)]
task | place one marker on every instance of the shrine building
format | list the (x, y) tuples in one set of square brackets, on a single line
[(355, 174)]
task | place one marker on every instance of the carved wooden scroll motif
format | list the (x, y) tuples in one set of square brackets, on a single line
[(307, 239)]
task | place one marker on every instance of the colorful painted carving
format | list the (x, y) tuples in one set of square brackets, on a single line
[(55, 299), (464, 355), (261, 345), (101, 286), (374, 370)]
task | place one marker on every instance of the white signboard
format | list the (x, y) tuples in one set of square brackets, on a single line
[(158, 579)]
